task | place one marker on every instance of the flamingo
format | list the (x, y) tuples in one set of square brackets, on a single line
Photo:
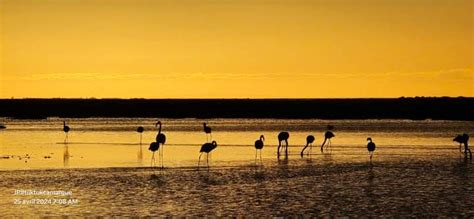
[(459, 139), (309, 142), (370, 147), (66, 130), (259, 146), (327, 137), (155, 146), (283, 136), (140, 130), (464, 139), (207, 148), (208, 131)]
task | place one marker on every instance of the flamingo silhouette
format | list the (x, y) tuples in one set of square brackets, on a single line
[(309, 142), (327, 138), (208, 131), (464, 139), (207, 148), (459, 139), (155, 146), (259, 146), (140, 130), (283, 136), (66, 130), (370, 147)]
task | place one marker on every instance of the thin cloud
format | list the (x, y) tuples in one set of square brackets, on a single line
[(450, 74)]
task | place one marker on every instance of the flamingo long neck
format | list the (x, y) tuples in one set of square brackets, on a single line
[(64, 123), (324, 142), (262, 138), (159, 129)]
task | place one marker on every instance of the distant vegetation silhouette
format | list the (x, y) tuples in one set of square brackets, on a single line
[(401, 108)]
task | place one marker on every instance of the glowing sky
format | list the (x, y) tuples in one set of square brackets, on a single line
[(236, 48)]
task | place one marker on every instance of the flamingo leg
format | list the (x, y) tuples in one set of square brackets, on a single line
[(260, 156), (278, 150), (152, 159), (140, 138), (199, 161), (161, 156), (256, 156), (286, 147), (207, 160)]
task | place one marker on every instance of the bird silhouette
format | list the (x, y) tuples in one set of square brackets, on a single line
[(283, 136), (140, 130), (459, 139), (2, 126), (327, 138), (208, 132), (155, 146), (206, 148), (370, 147), (259, 146), (66, 130), (464, 139), (309, 142)]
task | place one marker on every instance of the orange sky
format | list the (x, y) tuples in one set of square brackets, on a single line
[(236, 48)]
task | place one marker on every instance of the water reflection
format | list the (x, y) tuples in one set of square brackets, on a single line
[(66, 155), (140, 152), (369, 190)]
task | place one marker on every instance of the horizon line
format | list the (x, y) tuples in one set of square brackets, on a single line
[(237, 98)]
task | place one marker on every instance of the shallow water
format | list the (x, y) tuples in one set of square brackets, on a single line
[(100, 142), (416, 170)]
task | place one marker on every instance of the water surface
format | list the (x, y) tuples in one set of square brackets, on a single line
[(417, 170)]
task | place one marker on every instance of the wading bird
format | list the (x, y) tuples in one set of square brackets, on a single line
[(259, 146), (140, 130), (459, 139), (370, 147), (66, 130), (208, 131), (155, 146), (309, 142), (464, 139), (206, 148), (283, 136), (327, 138)]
